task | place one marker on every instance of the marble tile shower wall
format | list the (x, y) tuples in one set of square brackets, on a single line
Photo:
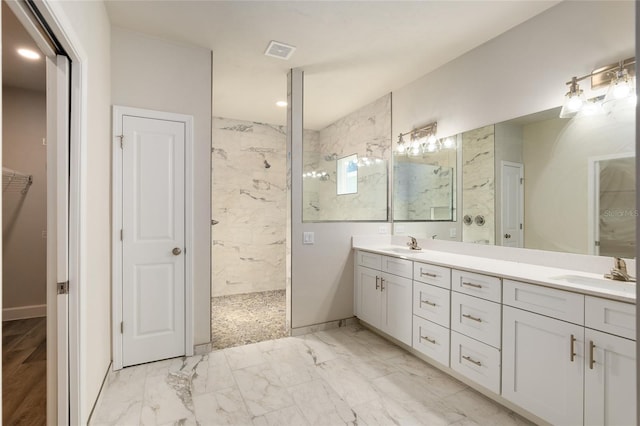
[(478, 184), (422, 191), (249, 203), (365, 132)]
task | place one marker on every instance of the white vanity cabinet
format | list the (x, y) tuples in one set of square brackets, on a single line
[(383, 296), (556, 366), (431, 311), (609, 372), (476, 327)]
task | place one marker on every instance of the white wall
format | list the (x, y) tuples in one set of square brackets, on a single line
[(87, 25), (519, 72), (24, 216), (156, 74)]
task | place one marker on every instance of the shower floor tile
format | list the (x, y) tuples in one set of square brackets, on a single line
[(242, 319)]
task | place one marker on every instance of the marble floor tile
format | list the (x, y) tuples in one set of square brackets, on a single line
[(347, 376), (223, 407), (262, 389)]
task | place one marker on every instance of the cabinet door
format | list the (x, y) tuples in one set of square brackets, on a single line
[(396, 313), (610, 385), (369, 295), (542, 366)]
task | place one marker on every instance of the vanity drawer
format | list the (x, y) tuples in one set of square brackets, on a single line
[(370, 260), (476, 318), (396, 266), (610, 316), (431, 339), (546, 301), (478, 285), (431, 274), (431, 302), (475, 360)]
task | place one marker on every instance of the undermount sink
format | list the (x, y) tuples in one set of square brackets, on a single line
[(401, 250), (600, 282)]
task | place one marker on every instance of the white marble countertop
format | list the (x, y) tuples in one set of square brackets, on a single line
[(563, 279)]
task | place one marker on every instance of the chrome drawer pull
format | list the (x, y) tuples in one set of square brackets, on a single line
[(377, 285), (381, 284), (572, 348), (428, 303), (468, 358), (428, 274), (472, 317), (592, 361), (432, 341), (472, 285)]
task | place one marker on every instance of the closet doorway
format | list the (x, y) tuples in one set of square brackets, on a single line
[(35, 234)]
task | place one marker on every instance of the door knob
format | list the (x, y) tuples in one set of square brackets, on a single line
[(507, 235), (176, 251)]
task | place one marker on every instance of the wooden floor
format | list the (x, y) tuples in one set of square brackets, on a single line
[(24, 378)]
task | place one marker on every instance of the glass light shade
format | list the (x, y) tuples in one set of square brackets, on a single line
[(620, 88), (448, 143), (573, 103), (591, 108)]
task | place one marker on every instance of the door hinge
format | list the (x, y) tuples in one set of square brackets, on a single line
[(121, 140), (521, 181), (63, 288), (520, 226), (597, 243), (121, 235), (121, 327)]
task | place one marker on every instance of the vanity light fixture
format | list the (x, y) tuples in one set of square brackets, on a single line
[(420, 140), (619, 78)]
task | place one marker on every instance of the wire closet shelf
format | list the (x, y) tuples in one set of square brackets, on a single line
[(14, 181)]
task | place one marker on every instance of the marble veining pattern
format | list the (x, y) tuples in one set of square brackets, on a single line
[(478, 184), (344, 376), (249, 204), (365, 132), (422, 191)]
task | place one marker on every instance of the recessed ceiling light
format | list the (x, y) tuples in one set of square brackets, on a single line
[(29, 54), (281, 104)]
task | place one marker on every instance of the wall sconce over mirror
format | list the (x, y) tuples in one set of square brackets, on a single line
[(620, 80), (422, 140)]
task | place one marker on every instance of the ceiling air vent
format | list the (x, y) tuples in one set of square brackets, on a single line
[(279, 50)]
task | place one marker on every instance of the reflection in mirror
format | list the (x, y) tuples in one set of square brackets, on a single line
[(550, 189), (347, 168), (339, 185), (424, 184), (615, 193)]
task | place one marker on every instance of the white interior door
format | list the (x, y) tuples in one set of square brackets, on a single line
[(512, 213), (58, 83), (153, 239)]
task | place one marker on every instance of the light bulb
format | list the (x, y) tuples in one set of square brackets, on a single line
[(574, 103), (400, 148), (29, 54), (448, 143)]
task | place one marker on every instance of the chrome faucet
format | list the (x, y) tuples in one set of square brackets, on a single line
[(413, 244), (619, 271)]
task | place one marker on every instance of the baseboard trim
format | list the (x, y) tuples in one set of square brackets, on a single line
[(24, 312), (299, 331)]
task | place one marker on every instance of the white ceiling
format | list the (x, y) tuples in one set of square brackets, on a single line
[(352, 52), (16, 70)]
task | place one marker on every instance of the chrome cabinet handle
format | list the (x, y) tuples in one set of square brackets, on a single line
[(572, 348), (472, 317), (592, 361), (432, 341), (428, 274), (176, 251), (428, 303), (381, 284), (472, 285), (468, 358), (377, 285)]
